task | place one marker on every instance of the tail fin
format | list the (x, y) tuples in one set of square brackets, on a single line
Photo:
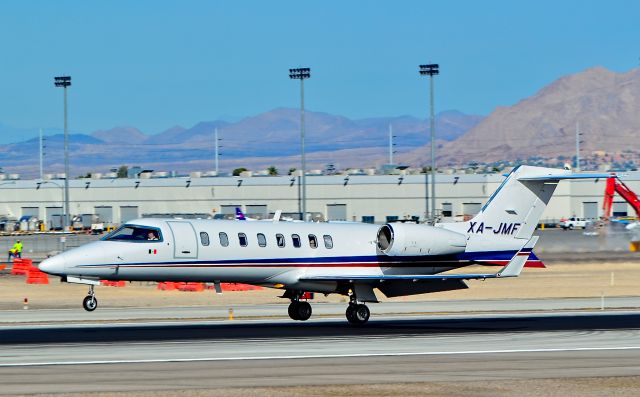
[(514, 209), (239, 215)]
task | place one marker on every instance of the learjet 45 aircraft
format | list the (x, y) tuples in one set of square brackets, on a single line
[(350, 259)]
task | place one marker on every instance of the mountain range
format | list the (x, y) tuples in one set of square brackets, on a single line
[(603, 104), (270, 138)]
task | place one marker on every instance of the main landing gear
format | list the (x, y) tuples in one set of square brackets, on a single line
[(357, 313), (90, 303), (299, 310)]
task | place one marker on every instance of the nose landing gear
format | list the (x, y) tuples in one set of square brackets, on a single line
[(90, 303)]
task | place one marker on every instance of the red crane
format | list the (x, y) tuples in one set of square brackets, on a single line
[(615, 185)]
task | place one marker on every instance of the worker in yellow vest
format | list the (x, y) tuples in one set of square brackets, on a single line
[(16, 250)]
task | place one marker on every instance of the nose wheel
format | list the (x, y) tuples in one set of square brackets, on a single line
[(90, 303)]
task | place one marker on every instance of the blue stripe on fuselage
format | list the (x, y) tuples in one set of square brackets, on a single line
[(382, 260)]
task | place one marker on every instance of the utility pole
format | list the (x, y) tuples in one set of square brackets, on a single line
[(390, 144), (64, 82), (217, 153), (302, 74), (432, 70), (41, 154), (578, 133)]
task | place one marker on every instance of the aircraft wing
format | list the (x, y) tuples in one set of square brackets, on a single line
[(403, 277)]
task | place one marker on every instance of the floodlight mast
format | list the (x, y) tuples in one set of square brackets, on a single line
[(431, 70), (64, 82), (302, 74)]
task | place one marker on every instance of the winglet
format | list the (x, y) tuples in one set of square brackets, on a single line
[(515, 265)]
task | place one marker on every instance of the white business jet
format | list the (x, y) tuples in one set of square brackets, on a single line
[(350, 259)]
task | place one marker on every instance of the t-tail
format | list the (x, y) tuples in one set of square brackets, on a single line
[(508, 219)]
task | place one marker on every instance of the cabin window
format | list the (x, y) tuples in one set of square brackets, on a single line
[(224, 239), (141, 234), (280, 240), (242, 238), (328, 241), (204, 238), (313, 241), (296, 240), (262, 240)]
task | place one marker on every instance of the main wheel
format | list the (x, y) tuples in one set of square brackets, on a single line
[(304, 311), (358, 314), (90, 303), (349, 313), (293, 310)]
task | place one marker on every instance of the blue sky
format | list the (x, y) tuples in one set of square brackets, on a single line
[(155, 64)]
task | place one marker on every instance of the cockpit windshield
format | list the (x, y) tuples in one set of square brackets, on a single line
[(135, 233)]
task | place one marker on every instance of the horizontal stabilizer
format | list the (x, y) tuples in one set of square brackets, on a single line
[(562, 177)]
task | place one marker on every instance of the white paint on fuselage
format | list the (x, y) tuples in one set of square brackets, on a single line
[(151, 260), (354, 252)]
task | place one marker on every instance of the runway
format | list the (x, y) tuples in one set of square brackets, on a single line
[(218, 354), (325, 310)]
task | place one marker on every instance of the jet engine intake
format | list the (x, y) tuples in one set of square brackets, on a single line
[(410, 239)]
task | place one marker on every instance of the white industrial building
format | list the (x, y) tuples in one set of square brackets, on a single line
[(366, 198)]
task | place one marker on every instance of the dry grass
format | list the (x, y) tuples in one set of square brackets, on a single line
[(568, 387)]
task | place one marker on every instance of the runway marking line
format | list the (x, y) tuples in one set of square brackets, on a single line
[(317, 356)]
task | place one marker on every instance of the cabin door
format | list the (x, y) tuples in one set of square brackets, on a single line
[(184, 237)]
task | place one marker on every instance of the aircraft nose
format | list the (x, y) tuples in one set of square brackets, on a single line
[(53, 265)]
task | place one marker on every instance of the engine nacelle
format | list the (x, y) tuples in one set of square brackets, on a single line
[(409, 239)]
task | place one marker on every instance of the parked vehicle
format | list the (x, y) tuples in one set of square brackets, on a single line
[(574, 223)]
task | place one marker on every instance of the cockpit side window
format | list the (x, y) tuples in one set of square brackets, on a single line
[(135, 233)]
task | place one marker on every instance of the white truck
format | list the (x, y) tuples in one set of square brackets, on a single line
[(574, 223)]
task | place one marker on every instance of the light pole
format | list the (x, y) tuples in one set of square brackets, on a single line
[(64, 82), (302, 74), (432, 70)]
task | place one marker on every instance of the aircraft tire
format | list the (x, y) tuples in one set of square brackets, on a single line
[(358, 314), (90, 303), (303, 311), (293, 310), (349, 313)]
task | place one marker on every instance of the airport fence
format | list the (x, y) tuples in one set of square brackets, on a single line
[(40, 246)]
